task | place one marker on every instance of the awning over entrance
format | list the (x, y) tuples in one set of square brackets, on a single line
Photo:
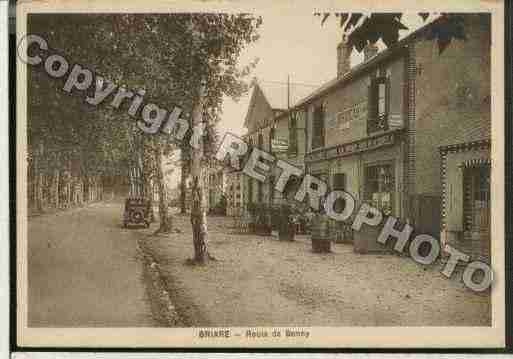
[(475, 162)]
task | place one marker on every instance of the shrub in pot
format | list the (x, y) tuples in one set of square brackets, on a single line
[(287, 225), (320, 234)]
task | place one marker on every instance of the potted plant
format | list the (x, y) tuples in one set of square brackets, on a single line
[(287, 224), (320, 233)]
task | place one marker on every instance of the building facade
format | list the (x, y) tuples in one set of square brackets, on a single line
[(407, 131), (377, 129)]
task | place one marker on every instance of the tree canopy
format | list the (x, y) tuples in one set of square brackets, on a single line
[(160, 53)]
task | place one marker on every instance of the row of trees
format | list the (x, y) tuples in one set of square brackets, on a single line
[(77, 152)]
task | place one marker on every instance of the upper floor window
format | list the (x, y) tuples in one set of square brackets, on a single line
[(293, 133), (379, 104), (318, 128)]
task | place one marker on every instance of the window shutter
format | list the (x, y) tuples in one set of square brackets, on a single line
[(372, 105), (387, 102)]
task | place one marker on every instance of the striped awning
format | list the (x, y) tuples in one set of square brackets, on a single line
[(475, 162)]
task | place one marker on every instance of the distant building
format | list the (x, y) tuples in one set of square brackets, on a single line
[(273, 128)]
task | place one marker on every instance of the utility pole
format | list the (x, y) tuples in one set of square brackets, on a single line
[(288, 92)]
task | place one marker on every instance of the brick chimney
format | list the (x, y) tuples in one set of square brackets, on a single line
[(343, 58), (369, 51)]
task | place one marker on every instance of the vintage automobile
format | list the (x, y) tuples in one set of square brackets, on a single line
[(138, 211)]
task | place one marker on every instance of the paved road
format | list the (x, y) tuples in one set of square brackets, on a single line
[(85, 270)]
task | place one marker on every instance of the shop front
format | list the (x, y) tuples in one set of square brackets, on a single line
[(466, 208), (371, 170)]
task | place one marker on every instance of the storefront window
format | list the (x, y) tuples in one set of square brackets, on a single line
[(379, 187)]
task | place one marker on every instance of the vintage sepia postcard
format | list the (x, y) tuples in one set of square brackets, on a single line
[(237, 174)]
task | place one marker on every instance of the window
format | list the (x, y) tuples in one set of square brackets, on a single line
[(379, 187), (477, 198), (293, 133), (318, 128), (379, 104)]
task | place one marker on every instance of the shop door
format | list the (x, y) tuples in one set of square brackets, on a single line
[(477, 210)]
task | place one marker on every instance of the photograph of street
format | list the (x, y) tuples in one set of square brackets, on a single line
[(207, 170)]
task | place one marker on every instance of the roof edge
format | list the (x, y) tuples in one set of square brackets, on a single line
[(381, 56)]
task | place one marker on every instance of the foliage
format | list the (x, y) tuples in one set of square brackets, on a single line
[(167, 55), (361, 29)]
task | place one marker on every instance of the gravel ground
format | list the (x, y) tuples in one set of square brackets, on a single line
[(259, 281)]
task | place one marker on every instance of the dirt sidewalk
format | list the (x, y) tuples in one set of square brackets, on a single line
[(259, 281)]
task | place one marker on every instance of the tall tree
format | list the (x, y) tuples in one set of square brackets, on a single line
[(216, 43)]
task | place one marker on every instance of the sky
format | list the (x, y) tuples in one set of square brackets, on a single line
[(292, 45), (295, 45)]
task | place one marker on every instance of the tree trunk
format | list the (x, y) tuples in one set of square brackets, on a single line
[(148, 159), (198, 214), (55, 188), (183, 187), (38, 176), (165, 219), (39, 191), (100, 188)]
